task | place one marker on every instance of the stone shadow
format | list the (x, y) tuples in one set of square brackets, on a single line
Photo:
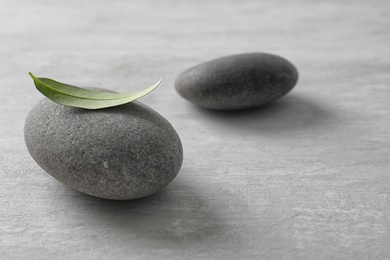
[(288, 113), (179, 213)]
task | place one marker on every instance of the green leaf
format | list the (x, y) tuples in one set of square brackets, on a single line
[(73, 96)]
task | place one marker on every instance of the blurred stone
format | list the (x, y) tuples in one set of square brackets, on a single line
[(237, 82)]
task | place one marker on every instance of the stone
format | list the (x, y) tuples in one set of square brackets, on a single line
[(121, 153), (237, 82)]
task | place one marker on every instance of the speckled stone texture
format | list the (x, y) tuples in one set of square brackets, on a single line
[(238, 81), (119, 153)]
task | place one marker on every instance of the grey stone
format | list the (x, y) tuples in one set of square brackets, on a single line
[(238, 81), (121, 153)]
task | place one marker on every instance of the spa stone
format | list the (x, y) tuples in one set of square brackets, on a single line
[(124, 152)]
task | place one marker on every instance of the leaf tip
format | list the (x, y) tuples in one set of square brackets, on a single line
[(161, 79), (31, 75)]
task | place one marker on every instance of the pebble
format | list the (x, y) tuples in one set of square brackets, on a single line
[(119, 153), (237, 82)]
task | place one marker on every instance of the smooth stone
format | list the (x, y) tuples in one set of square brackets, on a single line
[(120, 153), (238, 81)]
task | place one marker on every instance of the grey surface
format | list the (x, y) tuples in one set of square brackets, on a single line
[(124, 152), (304, 178), (240, 81)]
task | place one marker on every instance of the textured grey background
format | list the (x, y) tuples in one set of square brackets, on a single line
[(304, 178)]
